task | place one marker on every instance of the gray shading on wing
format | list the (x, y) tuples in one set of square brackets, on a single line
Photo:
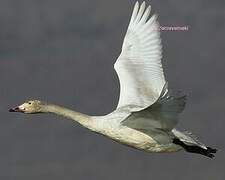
[(139, 65), (158, 119)]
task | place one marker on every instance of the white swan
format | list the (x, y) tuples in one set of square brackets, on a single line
[(146, 113)]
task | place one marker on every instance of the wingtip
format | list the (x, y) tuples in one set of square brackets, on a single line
[(149, 8), (143, 3), (136, 4)]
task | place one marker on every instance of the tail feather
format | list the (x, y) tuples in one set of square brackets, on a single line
[(209, 152), (191, 144)]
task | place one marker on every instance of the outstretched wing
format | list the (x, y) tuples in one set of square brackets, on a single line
[(158, 119), (139, 65), (163, 114)]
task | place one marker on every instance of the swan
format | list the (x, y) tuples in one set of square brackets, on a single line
[(147, 112)]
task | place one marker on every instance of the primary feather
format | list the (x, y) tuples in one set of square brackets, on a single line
[(139, 65)]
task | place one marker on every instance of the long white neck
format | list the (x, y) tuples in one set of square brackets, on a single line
[(82, 119)]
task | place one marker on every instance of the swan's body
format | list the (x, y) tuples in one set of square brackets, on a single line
[(147, 114), (111, 126)]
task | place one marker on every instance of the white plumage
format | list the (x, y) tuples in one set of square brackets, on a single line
[(139, 65), (147, 113)]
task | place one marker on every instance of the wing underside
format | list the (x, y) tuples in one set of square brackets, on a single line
[(139, 65), (158, 119)]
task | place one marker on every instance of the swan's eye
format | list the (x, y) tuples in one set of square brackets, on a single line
[(29, 103)]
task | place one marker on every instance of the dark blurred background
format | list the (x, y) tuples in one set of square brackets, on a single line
[(63, 51)]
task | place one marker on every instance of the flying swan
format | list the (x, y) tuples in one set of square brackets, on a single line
[(147, 112)]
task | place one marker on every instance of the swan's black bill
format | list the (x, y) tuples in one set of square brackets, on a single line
[(16, 109)]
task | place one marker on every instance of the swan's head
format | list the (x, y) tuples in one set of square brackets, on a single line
[(29, 107)]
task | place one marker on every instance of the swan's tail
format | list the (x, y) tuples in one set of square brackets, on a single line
[(191, 144), (209, 152)]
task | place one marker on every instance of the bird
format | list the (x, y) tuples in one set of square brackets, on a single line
[(147, 112)]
